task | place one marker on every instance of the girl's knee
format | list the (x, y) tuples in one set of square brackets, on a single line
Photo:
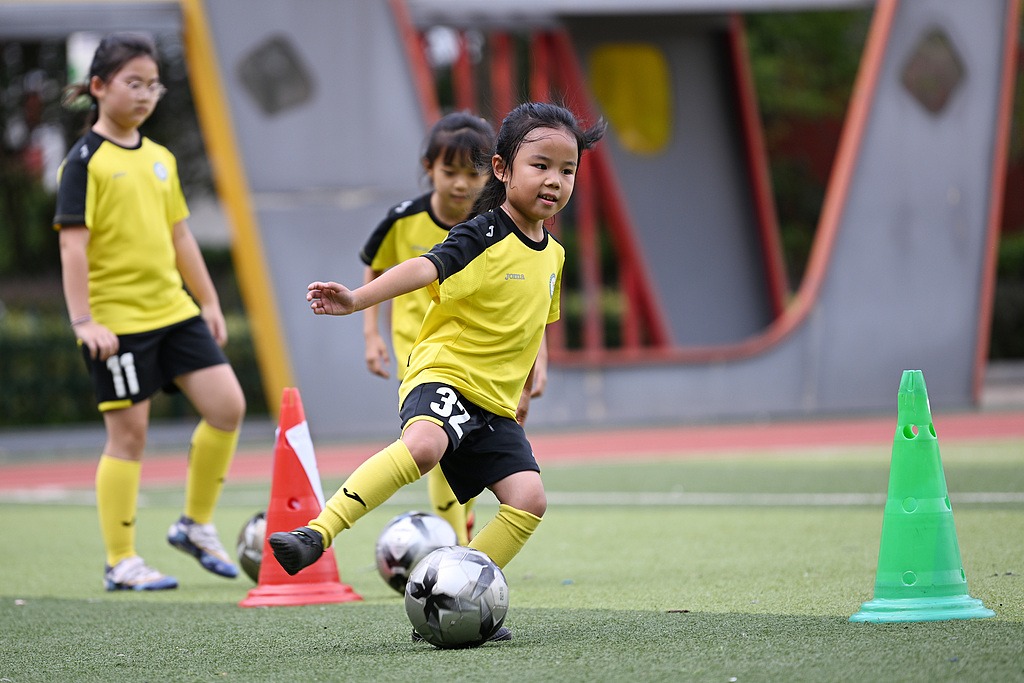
[(224, 411), (425, 456), (426, 443), (235, 410), (523, 491), (126, 443), (536, 504)]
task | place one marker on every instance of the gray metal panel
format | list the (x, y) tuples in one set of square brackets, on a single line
[(534, 12), (43, 20), (905, 284), (363, 126), (317, 241), (323, 174), (691, 204)]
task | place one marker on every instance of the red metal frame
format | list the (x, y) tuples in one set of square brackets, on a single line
[(503, 75), (997, 188), (640, 301), (423, 79), (599, 204), (462, 77), (540, 69), (852, 138), (757, 167)]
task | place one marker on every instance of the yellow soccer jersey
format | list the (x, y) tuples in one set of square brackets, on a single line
[(410, 229), (496, 291), (130, 200)]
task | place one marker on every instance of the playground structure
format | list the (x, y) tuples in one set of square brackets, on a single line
[(310, 109)]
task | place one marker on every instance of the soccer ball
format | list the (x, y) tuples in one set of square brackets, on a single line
[(250, 545), (406, 540), (456, 597)]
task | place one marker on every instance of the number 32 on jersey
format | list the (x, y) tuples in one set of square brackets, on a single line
[(446, 409)]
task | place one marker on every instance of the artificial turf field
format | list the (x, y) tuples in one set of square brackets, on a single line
[(718, 565)]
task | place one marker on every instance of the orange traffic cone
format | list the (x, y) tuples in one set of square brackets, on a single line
[(296, 497)]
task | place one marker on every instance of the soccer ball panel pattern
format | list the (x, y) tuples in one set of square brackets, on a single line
[(249, 546), (407, 539), (456, 597)]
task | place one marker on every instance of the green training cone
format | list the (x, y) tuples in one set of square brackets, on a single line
[(920, 575)]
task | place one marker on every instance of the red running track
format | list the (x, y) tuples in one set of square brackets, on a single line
[(333, 460)]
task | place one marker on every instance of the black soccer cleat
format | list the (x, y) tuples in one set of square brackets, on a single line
[(297, 549), (502, 634)]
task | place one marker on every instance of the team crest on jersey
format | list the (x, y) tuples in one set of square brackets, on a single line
[(160, 170), (551, 285)]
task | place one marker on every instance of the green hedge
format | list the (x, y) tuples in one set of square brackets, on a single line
[(44, 380), (1007, 340)]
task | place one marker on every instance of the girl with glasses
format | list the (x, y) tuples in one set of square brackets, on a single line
[(127, 256)]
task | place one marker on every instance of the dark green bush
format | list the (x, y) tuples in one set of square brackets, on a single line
[(44, 378), (1007, 339)]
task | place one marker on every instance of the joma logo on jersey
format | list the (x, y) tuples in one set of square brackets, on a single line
[(514, 276)]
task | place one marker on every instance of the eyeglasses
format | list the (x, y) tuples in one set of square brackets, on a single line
[(156, 89)]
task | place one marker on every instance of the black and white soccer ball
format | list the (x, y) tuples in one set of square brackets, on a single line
[(250, 545), (407, 539), (456, 597)]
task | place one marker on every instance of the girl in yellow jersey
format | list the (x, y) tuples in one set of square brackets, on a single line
[(456, 162), (126, 255), (494, 286)]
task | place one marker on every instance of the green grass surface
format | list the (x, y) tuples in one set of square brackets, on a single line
[(630, 578)]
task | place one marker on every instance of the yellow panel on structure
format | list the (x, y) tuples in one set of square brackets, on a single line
[(632, 83)]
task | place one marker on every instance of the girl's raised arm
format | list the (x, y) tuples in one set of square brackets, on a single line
[(331, 298)]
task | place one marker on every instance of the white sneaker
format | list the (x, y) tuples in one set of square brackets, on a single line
[(201, 542), (133, 574)]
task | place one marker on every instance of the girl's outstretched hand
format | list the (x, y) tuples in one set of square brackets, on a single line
[(330, 298)]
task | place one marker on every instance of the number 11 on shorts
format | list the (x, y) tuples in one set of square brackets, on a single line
[(122, 370)]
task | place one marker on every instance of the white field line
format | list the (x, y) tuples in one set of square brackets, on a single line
[(757, 499), (60, 496)]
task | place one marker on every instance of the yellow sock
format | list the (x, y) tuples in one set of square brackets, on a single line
[(446, 505), (506, 534), (209, 459), (117, 496), (468, 507), (373, 482)]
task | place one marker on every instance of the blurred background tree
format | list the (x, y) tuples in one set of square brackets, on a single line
[(804, 66), (36, 131), (43, 379)]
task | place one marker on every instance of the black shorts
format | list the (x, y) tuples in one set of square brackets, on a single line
[(147, 362), (483, 448)]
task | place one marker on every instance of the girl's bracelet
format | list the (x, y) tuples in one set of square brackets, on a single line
[(78, 321)]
